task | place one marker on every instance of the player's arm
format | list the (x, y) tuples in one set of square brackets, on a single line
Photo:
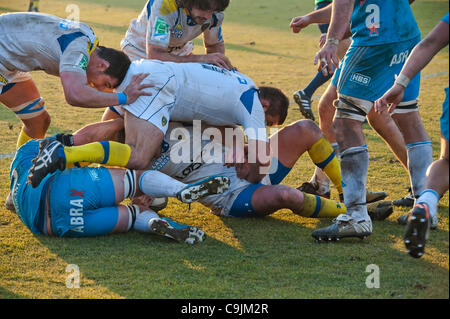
[(321, 16), (420, 56), (79, 93), (340, 18)]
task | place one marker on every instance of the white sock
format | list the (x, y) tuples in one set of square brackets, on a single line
[(157, 184), (420, 156), (142, 221), (354, 167), (431, 198)]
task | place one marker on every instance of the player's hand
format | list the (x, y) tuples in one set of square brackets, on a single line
[(391, 98), (218, 59), (135, 89), (299, 23), (322, 40), (327, 56)]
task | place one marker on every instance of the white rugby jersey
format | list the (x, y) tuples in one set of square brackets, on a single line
[(37, 41), (162, 23), (185, 92)]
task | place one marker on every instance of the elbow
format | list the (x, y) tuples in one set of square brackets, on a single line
[(72, 99)]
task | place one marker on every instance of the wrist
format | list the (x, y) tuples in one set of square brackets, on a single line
[(331, 40), (402, 80), (122, 98)]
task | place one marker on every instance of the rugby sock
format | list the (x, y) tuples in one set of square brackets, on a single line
[(420, 156), (129, 183), (142, 221), (22, 139), (316, 82), (319, 207), (354, 166), (431, 198), (156, 184), (105, 152), (323, 155)]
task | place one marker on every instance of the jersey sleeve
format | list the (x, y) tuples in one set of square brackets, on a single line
[(159, 25), (75, 57), (213, 34)]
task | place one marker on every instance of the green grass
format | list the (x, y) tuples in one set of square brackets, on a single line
[(272, 257)]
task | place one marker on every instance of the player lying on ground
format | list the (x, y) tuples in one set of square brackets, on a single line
[(244, 199), (383, 124), (83, 202), (68, 49), (424, 214), (182, 92), (165, 29)]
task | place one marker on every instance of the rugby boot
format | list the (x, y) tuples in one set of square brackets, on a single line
[(344, 226), (46, 162), (407, 201), (434, 221), (212, 185), (179, 232), (380, 210), (417, 228), (304, 103), (374, 196), (312, 188)]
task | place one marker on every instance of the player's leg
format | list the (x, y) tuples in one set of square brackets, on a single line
[(24, 100), (354, 166), (300, 137)]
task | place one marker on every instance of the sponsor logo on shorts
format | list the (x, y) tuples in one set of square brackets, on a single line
[(360, 79), (399, 58), (163, 121), (76, 211)]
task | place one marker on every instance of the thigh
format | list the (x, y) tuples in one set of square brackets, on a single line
[(19, 93)]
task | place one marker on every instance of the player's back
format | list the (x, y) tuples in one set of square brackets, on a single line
[(376, 22), (36, 41), (214, 94)]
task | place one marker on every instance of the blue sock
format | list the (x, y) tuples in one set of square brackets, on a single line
[(315, 83)]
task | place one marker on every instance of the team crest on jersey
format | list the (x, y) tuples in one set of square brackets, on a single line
[(177, 31), (161, 31)]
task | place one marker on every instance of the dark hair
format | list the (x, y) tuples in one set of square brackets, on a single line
[(278, 102), (118, 61), (215, 5)]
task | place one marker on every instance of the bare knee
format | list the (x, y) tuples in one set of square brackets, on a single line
[(284, 195), (305, 128)]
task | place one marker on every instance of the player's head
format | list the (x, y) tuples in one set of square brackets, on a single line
[(275, 104), (107, 68), (202, 10)]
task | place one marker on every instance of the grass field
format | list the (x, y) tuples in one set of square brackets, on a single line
[(272, 257)]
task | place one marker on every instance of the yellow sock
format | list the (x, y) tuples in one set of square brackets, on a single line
[(105, 152), (22, 139), (318, 207), (322, 154)]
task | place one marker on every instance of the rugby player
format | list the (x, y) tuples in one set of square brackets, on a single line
[(165, 29), (247, 197), (64, 48), (381, 42), (424, 213), (83, 202), (381, 123), (181, 92)]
